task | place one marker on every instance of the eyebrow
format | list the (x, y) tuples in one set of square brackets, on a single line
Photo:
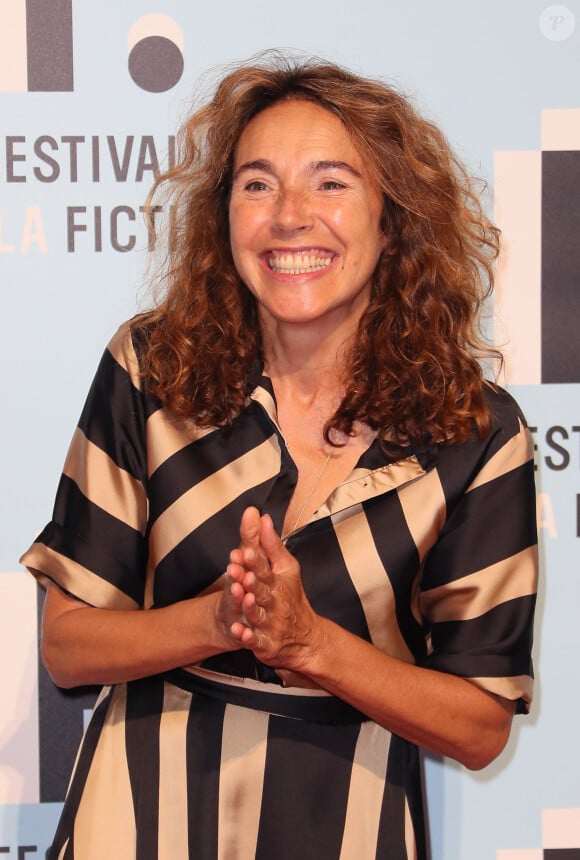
[(265, 166)]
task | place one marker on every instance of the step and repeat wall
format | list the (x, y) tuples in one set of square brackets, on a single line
[(91, 96)]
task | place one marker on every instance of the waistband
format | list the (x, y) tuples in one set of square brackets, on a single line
[(309, 705)]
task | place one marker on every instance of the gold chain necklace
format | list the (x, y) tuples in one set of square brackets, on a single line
[(312, 491)]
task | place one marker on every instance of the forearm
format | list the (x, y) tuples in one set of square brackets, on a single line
[(85, 645), (442, 713)]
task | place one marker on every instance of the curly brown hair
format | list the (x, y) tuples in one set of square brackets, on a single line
[(413, 372)]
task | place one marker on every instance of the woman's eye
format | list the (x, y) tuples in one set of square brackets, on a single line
[(332, 185), (256, 185)]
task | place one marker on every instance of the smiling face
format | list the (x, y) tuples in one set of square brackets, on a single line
[(304, 218)]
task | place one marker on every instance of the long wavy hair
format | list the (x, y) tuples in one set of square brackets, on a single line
[(413, 371)]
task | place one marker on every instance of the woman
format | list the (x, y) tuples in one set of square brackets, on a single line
[(295, 461)]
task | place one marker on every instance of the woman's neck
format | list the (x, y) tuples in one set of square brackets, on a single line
[(306, 362)]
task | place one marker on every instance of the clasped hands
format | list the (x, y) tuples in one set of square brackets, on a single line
[(273, 617)]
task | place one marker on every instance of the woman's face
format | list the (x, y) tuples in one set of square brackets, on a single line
[(304, 217)]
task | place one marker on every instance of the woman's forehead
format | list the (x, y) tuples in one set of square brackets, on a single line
[(300, 129)]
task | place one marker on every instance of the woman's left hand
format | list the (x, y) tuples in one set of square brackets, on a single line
[(280, 625), (444, 713)]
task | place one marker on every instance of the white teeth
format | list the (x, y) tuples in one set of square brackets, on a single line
[(298, 264)]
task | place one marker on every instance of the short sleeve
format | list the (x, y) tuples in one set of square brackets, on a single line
[(479, 581), (94, 547)]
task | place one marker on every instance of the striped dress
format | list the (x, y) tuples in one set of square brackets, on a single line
[(431, 557)]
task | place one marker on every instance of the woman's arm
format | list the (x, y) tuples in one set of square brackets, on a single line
[(443, 713), (85, 645)]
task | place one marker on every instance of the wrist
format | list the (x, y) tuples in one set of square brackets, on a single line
[(219, 634), (313, 655)]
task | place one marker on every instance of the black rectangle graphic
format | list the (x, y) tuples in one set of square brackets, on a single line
[(49, 43), (561, 266)]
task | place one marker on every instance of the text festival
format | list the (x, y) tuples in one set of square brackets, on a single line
[(80, 160)]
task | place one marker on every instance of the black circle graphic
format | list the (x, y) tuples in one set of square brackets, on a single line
[(156, 64)]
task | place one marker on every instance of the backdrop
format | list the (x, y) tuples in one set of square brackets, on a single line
[(90, 98)]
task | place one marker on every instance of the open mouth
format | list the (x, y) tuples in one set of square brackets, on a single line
[(299, 263)]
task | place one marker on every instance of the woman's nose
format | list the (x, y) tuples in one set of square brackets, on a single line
[(292, 212)]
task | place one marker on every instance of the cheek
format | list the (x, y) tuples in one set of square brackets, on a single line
[(239, 247), (245, 224), (356, 223), (339, 217), (375, 235)]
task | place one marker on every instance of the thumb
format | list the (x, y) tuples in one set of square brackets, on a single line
[(250, 527), (272, 545)]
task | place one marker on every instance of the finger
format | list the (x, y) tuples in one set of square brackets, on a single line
[(237, 556), (257, 567), (254, 613), (261, 590), (275, 550), (247, 582), (236, 571), (249, 553), (250, 527), (246, 636), (237, 592), (237, 630)]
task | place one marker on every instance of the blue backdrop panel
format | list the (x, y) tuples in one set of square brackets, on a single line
[(91, 96)]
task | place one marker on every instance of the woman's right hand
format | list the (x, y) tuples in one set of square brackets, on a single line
[(83, 644), (229, 610)]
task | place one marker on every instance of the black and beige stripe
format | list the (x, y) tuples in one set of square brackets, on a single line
[(431, 557)]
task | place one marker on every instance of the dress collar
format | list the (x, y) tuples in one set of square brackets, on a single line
[(376, 472)]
